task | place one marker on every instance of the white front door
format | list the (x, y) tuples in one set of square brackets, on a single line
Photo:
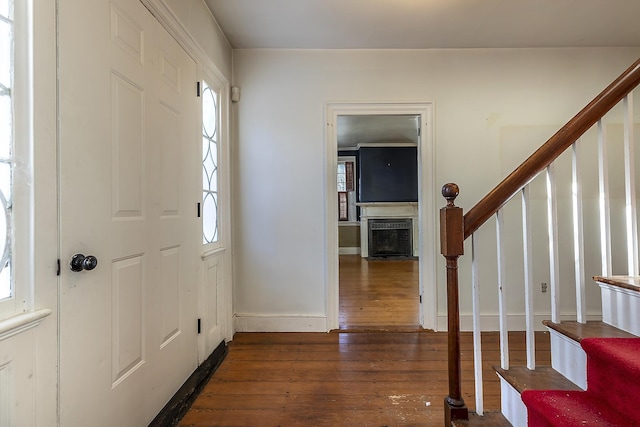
[(129, 164)]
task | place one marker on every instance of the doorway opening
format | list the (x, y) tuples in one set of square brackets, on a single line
[(380, 221)]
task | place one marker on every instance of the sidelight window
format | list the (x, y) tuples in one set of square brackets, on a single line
[(210, 161), (6, 145)]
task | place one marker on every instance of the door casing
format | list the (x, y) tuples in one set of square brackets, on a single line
[(426, 202)]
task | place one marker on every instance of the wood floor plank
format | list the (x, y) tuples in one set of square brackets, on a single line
[(487, 420)]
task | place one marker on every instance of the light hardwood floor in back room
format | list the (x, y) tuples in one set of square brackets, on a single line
[(379, 294)]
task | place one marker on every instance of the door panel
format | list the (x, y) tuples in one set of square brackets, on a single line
[(127, 148), (169, 285), (213, 299), (127, 340), (128, 158)]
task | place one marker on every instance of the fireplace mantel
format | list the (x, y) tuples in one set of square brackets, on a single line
[(386, 210)]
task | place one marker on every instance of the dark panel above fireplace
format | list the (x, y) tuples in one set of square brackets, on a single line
[(388, 174)]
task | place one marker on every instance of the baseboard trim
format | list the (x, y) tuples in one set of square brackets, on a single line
[(279, 323), (180, 403), (349, 251)]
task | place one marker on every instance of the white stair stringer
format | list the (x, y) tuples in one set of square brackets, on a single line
[(511, 404), (621, 308), (568, 358)]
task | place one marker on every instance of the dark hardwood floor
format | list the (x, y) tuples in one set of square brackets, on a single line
[(345, 379), (396, 378)]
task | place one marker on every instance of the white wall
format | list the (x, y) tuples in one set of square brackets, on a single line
[(481, 97)]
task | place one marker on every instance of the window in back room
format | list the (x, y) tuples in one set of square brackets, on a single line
[(346, 189)]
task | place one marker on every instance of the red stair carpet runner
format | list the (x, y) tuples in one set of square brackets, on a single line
[(612, 397)]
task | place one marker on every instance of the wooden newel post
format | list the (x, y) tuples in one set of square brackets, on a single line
[(452, 247)]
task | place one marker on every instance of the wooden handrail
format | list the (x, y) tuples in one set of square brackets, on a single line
[(550, 150)]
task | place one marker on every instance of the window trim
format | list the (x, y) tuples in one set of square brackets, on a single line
[(220, 85), (352, 215)]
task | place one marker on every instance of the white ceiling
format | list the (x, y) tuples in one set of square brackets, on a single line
[(422, 24), (430, 24), (355, 130)]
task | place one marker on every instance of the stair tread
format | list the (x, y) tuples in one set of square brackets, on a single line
[(577, 331), (631, 283), (489, 419), (541, 378)]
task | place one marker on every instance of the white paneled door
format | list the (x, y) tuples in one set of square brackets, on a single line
[(129, 184)]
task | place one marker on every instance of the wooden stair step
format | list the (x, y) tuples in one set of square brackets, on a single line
[(572, 408), (489, 419), (541, 378), (577, 331), (631, 283)]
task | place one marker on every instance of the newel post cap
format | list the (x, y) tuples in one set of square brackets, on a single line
[(450, 191), (451, 223)]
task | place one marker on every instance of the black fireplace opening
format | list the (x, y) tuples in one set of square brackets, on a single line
[(390, 238)]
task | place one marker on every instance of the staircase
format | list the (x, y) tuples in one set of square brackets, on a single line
[(595, 352), (613, 370), (583, 355)]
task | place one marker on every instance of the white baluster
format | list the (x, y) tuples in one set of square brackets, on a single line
[(578, 238), (477, 330), (552, 224), (603, 199), (527, 247), (502, 292), (630, 186)]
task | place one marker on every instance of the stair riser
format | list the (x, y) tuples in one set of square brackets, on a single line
[(621, 308), (611, 380), (568, 358), (512, 407), (610, 385)]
